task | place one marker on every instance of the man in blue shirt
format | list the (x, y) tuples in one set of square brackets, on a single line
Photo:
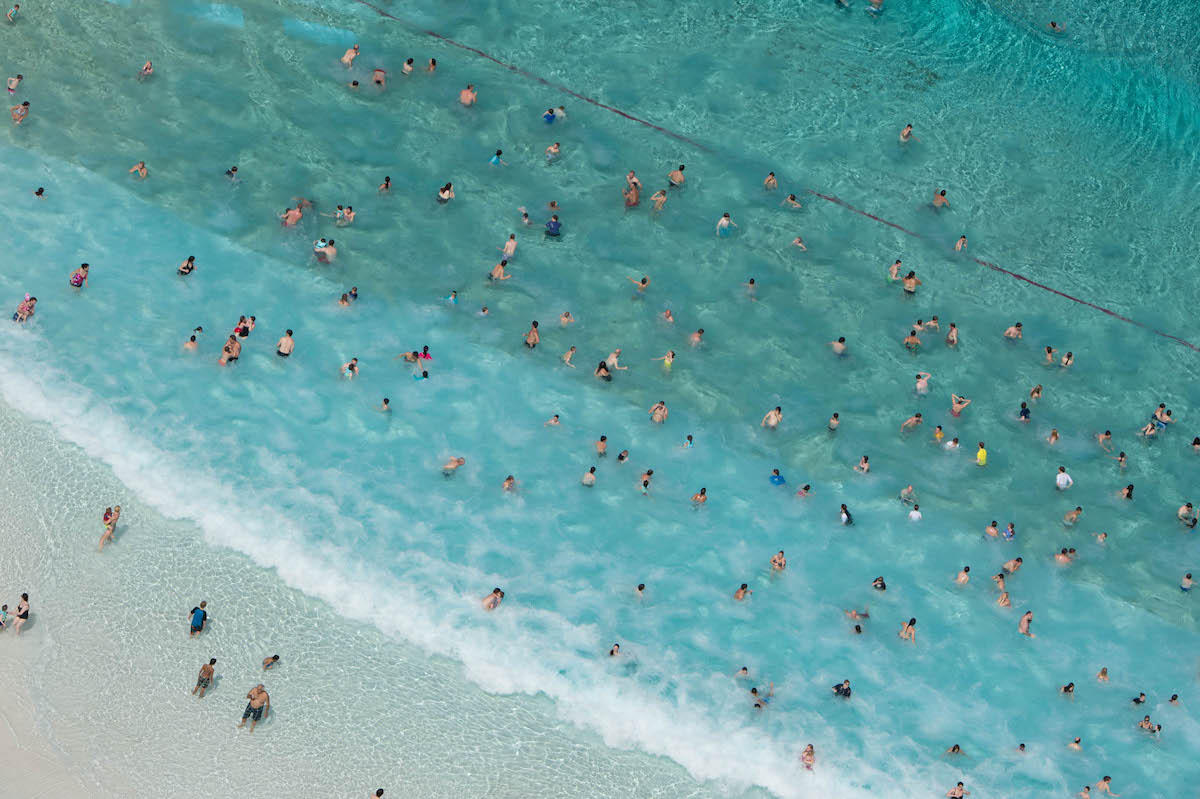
[(553, 226), (198, 616)]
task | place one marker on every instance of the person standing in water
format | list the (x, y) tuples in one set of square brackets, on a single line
[(205, 678), (258, 706)]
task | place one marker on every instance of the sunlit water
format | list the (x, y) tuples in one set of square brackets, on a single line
[(1069, 160)]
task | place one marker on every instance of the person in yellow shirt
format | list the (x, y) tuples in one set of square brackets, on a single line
[(981, 455)]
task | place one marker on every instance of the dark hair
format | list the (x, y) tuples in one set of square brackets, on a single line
[(744, 585), (641, 586)]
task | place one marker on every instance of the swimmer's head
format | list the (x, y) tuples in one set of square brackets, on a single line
[(499, 153), (193, 339), (642, 587), (858, 629), (353, 83), (841, 340)]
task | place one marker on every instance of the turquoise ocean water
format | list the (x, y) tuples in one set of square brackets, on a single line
[(1069, 160)]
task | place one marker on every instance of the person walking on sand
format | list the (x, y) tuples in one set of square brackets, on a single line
[(205, 678), (259, 705)]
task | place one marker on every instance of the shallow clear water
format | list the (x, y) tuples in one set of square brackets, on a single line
[(1068, 160)]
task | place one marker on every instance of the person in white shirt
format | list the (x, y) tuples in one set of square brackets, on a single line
[(914, 515), (1062, 479)]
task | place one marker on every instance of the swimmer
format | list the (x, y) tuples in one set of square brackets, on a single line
[(998, 579), (963, 576), (1010, 532), (723, 224), (1063, 558), (911, 422), (955, 750), (951, 445), (139, 168), (1056, 28), (667, 360), (1186, 513), (961, 244), (958, 404), (695, 338), (533, 336), (349, 56), (446, 193), (496, 160), (1013, 331), (839, 346), (857, 614), (792, 202), (551, 422), (285, 345), (751, 289), (565, 318), (350, 369), (658, 412), (20, 113), (863, 466), (1105, 440), (799, 242), (1004, 601), (431, 67), (809, 757), (40, 193), (878, 584), (805, 491), (1105, 786), (493, 600), (911, 281), (688, 443), (848, 520), (667, 317), (386, 186), (1023, 625), (676, 176), (932, 324), (623, 456), (770, 183), (907, 134), (497, 274), (79, 277), (778, 561), (451, 465), (833, 423), (700, 497), (1052, 439), (190, 344), (907, 495), (915, 515), (1062, 480), (1101, 537), (922, 386), (981, 458), (292, 215), (468, 96), (1102, 675), (908, 632), (601, 371), (1035, 393), (659, 198), (1011, 566), (13, 83), (1187, 583), (510, 484), (641, 285), (1024, 413), (992, 530), (777, 479), (552, 151), (385, 406), (939, 199), (1050, 352), (1067, 360), (773, 418), (1077, 743), (146, 71), (567, 356), (1126, 492), (554, 227), (325, 251), (742, 593), (230, 352), (613, 361), (589, 479), (632, 194)]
